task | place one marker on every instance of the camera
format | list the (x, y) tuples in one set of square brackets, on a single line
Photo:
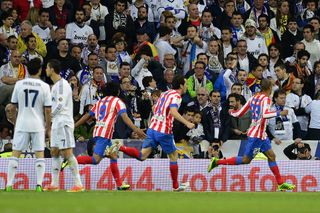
[(215, 147)]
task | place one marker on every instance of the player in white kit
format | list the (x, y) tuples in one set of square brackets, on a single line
[(62, 139), (33, 98)]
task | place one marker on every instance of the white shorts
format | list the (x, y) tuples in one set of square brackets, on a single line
[(62, 138), (23, 140)]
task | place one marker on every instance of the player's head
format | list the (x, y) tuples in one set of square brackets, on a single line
[(111, 89), (266, 86), (34, 66), (53, 66), (179, 82)]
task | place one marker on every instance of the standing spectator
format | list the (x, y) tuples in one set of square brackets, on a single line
[(256, 10), (44, 28), (6, 5), (298, 101), (280, 22), (236, 26), (176, 7), (31, 52), (109, 63), (246, 60), (312, 85), (242, 79), (59, 33), (98, 13), (226, 41), (119, 21), (312, 45), (77, 32), (216, 60), (270, 36), (140, 71), (142, 22), (26, 29), (166, 83), (274, 58), (256, 43), (254, 79), (23, 7), (206, 29), (61, 13), (290, 37), (284, 80), (192, 18), (202, 100), (10, 73), (314, 109), (163, 43), (12, 43), (301, 70)]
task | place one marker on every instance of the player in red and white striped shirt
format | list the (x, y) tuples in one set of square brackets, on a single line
[(106, 112), (160, 130), (257, 140)]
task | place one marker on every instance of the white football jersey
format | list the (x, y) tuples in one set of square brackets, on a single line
[(31, 95), (78, 35), (62, 105), (44, 34)]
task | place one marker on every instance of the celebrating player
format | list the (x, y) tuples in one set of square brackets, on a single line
[(62, 139), (160, 130), (33, 98), (106, 111), (258, 141)]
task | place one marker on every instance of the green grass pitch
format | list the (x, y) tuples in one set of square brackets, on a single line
[(153, 202)]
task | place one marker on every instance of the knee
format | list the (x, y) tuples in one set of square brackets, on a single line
[(246, 160), (54, 152), (97, 159)]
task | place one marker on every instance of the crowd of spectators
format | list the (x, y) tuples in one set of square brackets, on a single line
[(223, 48)]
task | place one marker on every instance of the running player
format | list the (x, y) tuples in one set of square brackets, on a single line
[(105, 112), (62, 139), (160, 130), (33, 98), (258, 141)]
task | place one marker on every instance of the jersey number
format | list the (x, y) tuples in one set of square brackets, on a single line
[(102, 112), (35, 94)]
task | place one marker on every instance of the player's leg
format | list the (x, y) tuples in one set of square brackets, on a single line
[(55, 168), (251, 148), (267, 150), (38, 143), (20, 142), (115, 172), (98, 152)]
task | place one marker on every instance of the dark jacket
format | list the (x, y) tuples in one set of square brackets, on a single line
[(288, 41)]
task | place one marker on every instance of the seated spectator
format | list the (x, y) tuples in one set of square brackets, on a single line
[(166, 83), (44, 28), (169, 62), (10, 73), (163, 43), (59, 33), (7, 21), (92, 47), (301, 70), (76, 53), (202, 100), (179, 129), (30, 52), (110, 62), (298, 151), (314, 110), (26, 29), (11, 116), (254, 79), (122, 54), (149, 85)]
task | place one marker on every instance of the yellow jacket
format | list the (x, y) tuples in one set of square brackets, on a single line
[(41, 47)]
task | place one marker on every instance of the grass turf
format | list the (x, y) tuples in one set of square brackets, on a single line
[(153, 202)]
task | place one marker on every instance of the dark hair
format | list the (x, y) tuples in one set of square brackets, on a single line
[(277, 93), (236, 84), (11, 37), (192, 27), (263, 54), (29, 37), (188, 109), (111, 89), (5, 15), (55, 65), (177, 81), (264, 16), (280, 64), (34, 66), (63, 39), (315, 65), (124, 64), (79, 10), (266, 85), (110, 46), (213, 91), (146, 81), (302, 53), (93, 53), (97, 67), (275, 45), (202, 63), (164, 30), (43, 10), (200, 54), (237, 13), (309, 26), (123, 2), (317, 95), (236, 96)]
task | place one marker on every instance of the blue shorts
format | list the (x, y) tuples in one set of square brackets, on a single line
[(256, 145), (154, 138), (101, 145)]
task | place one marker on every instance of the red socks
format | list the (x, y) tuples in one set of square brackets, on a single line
[(85, 160), (275, 170), (115, 172), (174, 174), (130, 151), (229, 161)]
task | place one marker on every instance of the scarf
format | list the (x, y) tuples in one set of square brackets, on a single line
[(269, 38), (85, 76), (21, 71), (66, 74), (192, 59), (302, 72), (100, 85), (283, 24), (215, 116), (198, 84), (280, 108), (119, 20)]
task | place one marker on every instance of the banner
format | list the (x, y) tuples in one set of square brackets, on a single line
[(154, 175)]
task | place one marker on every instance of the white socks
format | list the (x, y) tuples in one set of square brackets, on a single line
[(40, 169), (55, 171), (73, 163), (12, 168)]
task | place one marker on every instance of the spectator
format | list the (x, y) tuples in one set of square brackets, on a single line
[(61, 13), (143, 46), (301, 70), (298, 101), (256, 43), (23, 7), (169, 62), (198, 80), (291, 61), (202, 100), (166, 83), (92, 47), (6, 5), (270, 35), (228, 9), (216, 60), (109, 63), (140, 71), (237, 26), (229, 76), (87, 8), (76, 53), (216, 121), (149, 85), (280, 22), (254, 79), (256, 10), (142, 22), (312, 85), (284, 79), (274, 58), (30, 52), (44, 28), (99, 13), (312, 45), (206, 29), (119, 21), (122, 54), (314, 110), (26, 29), (76, 88), (315, 22), (226, 41), (4, 52), (263, 61), (242, 79), (298, 151), (162, 44), (7, 21), (246, 61), (77, 32), (284, 127), (59, 33), (179, 129), (290, 37), (10, 73)]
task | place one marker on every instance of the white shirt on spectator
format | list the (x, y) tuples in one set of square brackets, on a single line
[(314, 109), (139, 72), (44, 34), (163, 48), (256, 46), (78, 35), (99, 14)]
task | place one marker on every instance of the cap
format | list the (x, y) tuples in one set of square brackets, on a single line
[(250, 23)]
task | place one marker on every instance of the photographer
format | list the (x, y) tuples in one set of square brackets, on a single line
[(298, 151), (214, 150)]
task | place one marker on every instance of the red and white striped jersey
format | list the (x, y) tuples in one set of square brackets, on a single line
[(259, 105), (106, 111), (162, 120)]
